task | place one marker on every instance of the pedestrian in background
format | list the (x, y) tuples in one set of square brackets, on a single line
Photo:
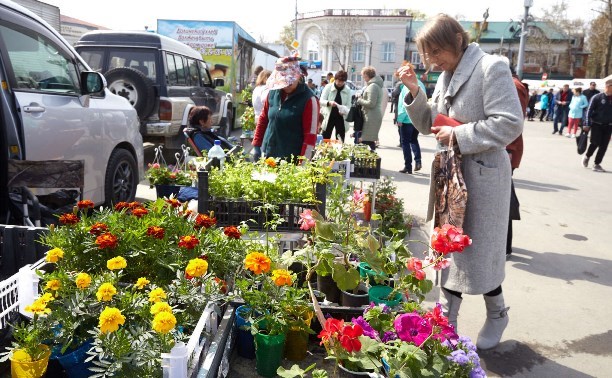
[(591, 91), (335, 94), (253, 79), (531, 105), (287, 126), (551, 105), (469, 90), (576, 110), (397, 88), (371, 103), (260, 92), (408, 133), (562, 101), (599, 119), (544, 104)]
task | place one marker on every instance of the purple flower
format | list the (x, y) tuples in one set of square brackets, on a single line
[(389, 336), (412, 328), (467, 343), (367, 328), (458, 356), (478, 373)]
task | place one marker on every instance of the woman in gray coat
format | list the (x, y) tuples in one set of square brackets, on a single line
[(371, 104), (475, 89)]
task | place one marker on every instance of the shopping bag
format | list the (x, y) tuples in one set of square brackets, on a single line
[(581, 142)]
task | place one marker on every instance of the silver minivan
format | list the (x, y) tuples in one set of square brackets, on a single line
[(53, 106)]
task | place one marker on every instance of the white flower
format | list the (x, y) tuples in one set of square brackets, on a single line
[(264, 176)]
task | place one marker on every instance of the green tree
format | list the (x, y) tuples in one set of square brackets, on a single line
[(558, 20), (287, 35), (600, 41)]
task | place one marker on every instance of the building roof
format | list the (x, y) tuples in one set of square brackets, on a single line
[(71, 20)]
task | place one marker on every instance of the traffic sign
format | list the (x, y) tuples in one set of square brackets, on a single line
[(295, 44), (544, 76)]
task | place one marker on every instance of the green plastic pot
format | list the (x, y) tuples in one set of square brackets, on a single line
[(269, 353), (380, 294)]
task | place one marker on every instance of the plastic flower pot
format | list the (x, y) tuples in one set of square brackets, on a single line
[(21, 368), (327, 286), (245, 342), (165, 191), (387, 367), (74, 363), (346, 373), (367, 210), (296, 344), (356, 299), (380, 294), (365, 271), (269, 352)]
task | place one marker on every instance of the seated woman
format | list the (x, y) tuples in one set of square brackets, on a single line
[(200, 130)]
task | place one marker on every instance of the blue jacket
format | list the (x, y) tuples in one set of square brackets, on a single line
[(402, 115), (577, 106), (544, 101)]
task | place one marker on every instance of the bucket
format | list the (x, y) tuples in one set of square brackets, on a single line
[(269, 353), (358, 299), (296, 344), (244, 342), (328, 286), (380, 294), (34, 369), (166, 191), (74, 362)]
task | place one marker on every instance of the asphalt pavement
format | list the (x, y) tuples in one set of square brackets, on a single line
[(559, 278)]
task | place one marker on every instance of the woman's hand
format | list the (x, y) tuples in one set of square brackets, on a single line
[(443, 134), (409, 79), (332, 103)]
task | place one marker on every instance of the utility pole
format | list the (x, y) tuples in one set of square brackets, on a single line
[(521, 57), (295, 23)]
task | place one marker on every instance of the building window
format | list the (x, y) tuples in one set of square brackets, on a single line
[(359, 52), (313, 55), (531, 60), (388, 79), (388, 52), (553, 60), (415, 58), (579, 61)]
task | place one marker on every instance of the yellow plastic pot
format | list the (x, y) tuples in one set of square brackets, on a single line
[(21, 367)]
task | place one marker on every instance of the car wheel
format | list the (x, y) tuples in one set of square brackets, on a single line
[(227, 123), (121, 178), (134, 86)]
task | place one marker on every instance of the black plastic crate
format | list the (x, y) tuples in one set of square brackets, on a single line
[(365, 168), (232, 212)]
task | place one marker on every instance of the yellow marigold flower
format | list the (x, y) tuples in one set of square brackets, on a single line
[(116, 263), (257, 262), (164, 322), (106, 292), (46, 298), (53, 285), (110, 319), (141, 283), (156, 295), (54, 255), (270, 162), (83, 280), (160, 307), (38, 307), (281, 277), (197, 267)]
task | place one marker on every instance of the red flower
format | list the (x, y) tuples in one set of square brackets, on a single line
[(188, 242), (139, 212), (187, 213), (414, 264), (106, 241), (98, 228), (68, 218), (435, 316), (419, 275), (173, 202), (135, 205), (349, 339), (222, 285), (331, 329), (204, 221), (232, 232), (85, 204), (449, 239), (122, 205), (156, 232)]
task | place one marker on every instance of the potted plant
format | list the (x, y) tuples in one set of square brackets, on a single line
[(247, 120), (29, 355), (167, 180)]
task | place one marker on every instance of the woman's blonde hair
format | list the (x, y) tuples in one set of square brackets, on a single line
[(262, 77), (443, 32), (369, 71)]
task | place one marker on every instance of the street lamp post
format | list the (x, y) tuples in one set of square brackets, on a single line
[(521, 57)]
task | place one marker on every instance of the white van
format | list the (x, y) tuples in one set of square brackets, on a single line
[(53, 106)]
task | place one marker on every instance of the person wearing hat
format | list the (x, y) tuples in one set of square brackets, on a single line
[(287, 126)]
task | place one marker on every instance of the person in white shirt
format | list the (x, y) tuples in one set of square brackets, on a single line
[(260, 92)]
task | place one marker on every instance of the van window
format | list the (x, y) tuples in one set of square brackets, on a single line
[(37, 63), (194, 74), (94, 59), (142, 60), (180, 70), (204, 74), (176, 70)]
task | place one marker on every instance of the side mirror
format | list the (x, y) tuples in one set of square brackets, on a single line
[(219, 82), (92, 82)]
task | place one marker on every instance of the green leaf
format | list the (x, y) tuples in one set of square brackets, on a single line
[(324, 230), (376, 216), (324, 268), (346, 279), (368, 345), (295, 371), (373, 244)]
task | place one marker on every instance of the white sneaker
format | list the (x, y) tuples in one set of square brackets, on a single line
[(567, 135), (598, 168), (573, 136), (585, 161)]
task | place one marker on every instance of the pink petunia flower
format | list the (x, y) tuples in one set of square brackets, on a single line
[(306, 221), (412, 328)]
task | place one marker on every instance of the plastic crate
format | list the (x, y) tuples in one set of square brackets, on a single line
[(233, 212), (365, 168)]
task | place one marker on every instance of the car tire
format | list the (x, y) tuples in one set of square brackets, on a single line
[(121, 178), (133, 85), (227, 123)]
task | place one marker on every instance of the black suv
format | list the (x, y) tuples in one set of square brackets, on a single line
[(161, 77)]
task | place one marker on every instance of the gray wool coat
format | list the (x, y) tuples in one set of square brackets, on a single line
[(372, 113), (481, 95)]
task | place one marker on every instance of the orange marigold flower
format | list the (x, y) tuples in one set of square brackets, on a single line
[(270, 162), (122, 205), (85, 204), (156, 232), (257, 262), (282, 277), (139, 212), (98, 228), (68, 218), (106, 241), (204, 221), (187, 213), (173, 202), (232, 232), (135, 205), (188, 241)]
